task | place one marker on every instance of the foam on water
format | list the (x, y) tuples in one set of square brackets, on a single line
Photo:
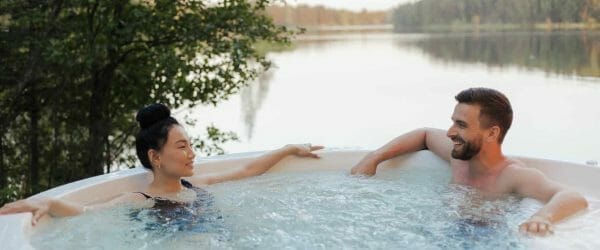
[(417, 209)]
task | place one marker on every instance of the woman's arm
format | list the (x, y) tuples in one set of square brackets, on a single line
[(259, 165), (40, 207), (59, 207)]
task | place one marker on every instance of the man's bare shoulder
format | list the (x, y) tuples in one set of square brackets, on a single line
[(517, 175), (518, 169)]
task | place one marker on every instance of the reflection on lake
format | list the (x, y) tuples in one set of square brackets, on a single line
[(362, 90), (570, 53), (252, 98)]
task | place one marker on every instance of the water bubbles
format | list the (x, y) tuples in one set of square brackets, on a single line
[(321, 210), (325, 210)]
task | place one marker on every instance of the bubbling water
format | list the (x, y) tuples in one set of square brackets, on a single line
[(417, 209)]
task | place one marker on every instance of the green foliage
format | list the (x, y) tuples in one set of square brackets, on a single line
[(8, 194), (73, 74), (262, 48), (214, 139)]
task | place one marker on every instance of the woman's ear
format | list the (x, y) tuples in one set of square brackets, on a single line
[(154, 157)]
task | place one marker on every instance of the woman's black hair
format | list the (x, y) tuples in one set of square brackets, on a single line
[(155, 122)]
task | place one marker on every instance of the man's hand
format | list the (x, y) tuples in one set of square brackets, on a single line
[(537, 225), (367, 166)]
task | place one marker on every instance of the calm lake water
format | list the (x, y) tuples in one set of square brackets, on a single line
[(361, 90)]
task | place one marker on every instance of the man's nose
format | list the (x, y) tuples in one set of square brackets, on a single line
[(450, 132)]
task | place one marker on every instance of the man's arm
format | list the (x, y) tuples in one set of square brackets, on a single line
[(420, 139), (559, 201)]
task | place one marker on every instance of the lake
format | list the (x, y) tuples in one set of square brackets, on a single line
[(360, 90)]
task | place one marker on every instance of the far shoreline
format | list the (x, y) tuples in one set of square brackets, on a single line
[(446, 28)]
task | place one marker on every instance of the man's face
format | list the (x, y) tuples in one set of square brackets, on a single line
[(465, 132)]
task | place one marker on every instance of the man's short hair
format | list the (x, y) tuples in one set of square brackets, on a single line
[(495, 109)]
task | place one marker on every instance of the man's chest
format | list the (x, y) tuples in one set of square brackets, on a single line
[(491, 185)]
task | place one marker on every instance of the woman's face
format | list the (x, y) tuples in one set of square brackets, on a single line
[(177, 155)]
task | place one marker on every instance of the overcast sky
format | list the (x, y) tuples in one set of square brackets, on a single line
[(356, 5)]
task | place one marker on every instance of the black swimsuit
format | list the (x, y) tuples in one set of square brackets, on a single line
[(198, 216)]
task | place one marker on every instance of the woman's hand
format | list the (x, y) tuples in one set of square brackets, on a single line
[(537, 225), (37, 207), (303, 150)]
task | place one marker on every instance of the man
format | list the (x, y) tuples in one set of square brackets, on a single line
[(473, 147)]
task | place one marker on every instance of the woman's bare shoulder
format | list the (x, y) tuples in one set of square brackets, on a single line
[(123, 198)]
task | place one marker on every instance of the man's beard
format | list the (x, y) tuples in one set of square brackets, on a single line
[(468, 149)]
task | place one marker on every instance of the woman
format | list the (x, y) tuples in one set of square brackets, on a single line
[(163, 146)]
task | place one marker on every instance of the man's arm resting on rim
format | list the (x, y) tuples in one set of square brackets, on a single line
[(420, 139), (560, 202)]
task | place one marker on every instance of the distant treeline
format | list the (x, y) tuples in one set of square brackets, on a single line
[(425, 14), (307, 16)]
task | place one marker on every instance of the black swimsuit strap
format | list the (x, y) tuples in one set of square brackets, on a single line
[(185, 183), (145, 195)]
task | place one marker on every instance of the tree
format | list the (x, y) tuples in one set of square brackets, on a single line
[(423, 14), (74, 72)]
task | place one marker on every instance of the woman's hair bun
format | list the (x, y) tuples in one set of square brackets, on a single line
[(151, 114)]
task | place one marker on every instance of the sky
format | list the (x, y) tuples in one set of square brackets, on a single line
[(355, 5)]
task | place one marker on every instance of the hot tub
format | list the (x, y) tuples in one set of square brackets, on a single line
[(16, 229)]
